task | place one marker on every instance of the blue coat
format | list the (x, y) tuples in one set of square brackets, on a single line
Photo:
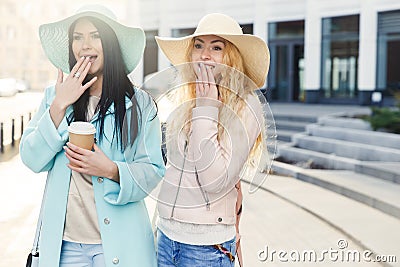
[(125, 227)]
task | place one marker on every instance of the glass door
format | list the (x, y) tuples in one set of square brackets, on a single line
[(298, 73), (279, 75), (286, 77), (286, 42)]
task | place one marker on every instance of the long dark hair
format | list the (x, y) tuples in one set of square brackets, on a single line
[(116, 86)]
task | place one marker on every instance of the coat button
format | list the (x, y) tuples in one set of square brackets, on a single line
[(219, 219), (100, 180), (106, 221), (115, 260)]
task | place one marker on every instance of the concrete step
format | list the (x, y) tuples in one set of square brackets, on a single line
[(389, 171), (281, 143), (295, 117), (324, 161), (376, 193), (351, 123), (291, 125), (355, 135), (369, 227), (346, 149), (285, 135)]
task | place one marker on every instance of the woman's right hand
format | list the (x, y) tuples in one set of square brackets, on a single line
[(69, 90), (206, 87)]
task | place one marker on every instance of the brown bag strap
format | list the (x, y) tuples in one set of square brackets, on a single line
[(239, 208)]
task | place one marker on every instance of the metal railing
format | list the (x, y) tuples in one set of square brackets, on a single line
[(9, 133)]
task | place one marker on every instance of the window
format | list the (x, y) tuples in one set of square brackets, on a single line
[(286, 30), (340, 42), (182, 32), (388, 54)]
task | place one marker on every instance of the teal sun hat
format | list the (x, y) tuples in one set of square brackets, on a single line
[(54, 38)]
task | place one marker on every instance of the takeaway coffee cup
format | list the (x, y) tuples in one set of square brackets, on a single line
[(82, 134)]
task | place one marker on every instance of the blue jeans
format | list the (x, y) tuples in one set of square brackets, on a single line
[(81, 255), (172, 253)]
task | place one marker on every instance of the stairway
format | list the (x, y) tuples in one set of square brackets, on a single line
[(289, 125), (352, 160)]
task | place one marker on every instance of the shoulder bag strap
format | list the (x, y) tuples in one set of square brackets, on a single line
[(239, 206), (35, 247)]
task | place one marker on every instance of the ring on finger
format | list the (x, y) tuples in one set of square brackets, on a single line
[(77, 74)]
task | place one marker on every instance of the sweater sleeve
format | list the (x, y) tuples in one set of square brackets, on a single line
[(218, 163)]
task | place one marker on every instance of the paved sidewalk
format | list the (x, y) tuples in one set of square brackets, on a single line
[(20, 198), (285, 217)]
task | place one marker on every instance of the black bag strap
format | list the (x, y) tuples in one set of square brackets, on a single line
[(35, 246)]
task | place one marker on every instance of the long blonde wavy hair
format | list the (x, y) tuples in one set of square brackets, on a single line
[(233, 87)]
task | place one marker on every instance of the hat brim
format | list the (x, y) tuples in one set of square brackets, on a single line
[(54, 39), (254, 51)]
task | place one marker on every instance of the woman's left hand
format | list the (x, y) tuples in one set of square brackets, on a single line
[(94, 163)]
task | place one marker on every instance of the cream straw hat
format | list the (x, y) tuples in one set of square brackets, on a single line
[(54, 38), (253, 49)]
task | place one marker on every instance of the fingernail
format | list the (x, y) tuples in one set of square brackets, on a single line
[(82, 58)]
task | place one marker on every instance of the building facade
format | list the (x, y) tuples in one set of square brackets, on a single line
[(322, 51), (21, 53)]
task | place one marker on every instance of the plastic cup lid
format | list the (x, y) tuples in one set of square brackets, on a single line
[(81, 127)]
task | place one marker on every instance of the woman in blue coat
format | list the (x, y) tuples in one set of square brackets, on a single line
[(94, 212)]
